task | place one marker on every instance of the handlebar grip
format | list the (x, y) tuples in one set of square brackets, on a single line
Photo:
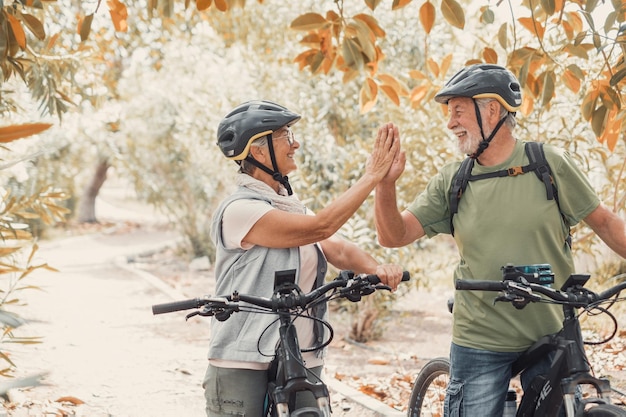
[(479, 285), (176, 306), (373, 279)]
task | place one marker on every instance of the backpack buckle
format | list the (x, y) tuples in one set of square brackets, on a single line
[(514, 171)]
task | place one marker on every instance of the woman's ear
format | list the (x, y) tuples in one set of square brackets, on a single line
[(258, 153)]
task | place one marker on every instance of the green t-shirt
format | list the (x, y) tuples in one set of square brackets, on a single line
[(500, 221)]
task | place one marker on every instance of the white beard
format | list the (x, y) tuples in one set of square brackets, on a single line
[(469, 145)]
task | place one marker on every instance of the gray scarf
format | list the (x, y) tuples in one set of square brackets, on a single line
[(281, 201)]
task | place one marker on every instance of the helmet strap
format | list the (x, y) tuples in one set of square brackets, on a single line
[(276, 175), (485, 142)]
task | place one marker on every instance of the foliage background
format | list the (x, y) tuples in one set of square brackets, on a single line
[(147, 101)]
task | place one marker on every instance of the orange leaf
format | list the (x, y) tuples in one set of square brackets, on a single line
[(368, 95), (34, 25), (533, 26), (427, 16), (490, 56), (118, 13), (391, 93), (611, 131), (203, 4), (527, 105), (393, 83), (309, 21), (10, 133), (18, 31), (84, 27), (433, 67), (399, 3), (418, 94), (221, 5), (68, 399), (372, 23), (571, 81)]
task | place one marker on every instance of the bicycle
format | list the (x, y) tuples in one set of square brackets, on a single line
[(287, 302), (569, 369)]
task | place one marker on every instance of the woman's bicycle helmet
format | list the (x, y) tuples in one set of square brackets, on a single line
[(484, 81), (250, 121)]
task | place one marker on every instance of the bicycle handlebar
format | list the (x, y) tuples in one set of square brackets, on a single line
[(181, 305), (346, 280), (526, 289)]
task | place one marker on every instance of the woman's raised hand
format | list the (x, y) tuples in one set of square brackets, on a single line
[(386, 150)]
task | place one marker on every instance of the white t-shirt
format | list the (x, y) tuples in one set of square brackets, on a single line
[(239, 217)]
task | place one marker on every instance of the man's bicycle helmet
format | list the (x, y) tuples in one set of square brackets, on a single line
[(250, 121), (484, 81)]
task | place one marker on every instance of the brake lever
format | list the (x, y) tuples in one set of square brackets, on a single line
[(190, 315), (518, 295)]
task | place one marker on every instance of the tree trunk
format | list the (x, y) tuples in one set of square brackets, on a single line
[(87, 205)]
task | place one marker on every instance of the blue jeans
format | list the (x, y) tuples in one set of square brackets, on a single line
[(479, 381)]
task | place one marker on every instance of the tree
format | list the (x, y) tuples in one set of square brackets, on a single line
[(18, 213), (546, 43)]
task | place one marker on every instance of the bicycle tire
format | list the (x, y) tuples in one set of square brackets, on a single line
[(429, 389), (605, 410)]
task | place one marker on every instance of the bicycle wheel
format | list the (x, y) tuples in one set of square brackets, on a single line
[(429, 389), (605, 410)]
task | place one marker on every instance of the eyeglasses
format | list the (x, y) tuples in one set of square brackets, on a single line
[(289, 136)]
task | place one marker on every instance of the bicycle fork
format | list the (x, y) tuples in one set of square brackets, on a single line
[(294, 377)]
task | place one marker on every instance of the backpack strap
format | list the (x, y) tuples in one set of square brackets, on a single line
[(538, 163), (537, 157), (459, 183)]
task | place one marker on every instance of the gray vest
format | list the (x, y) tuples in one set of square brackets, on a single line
[(243, 335)]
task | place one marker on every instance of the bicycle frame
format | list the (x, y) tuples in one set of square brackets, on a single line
[(292, 376), (569, 369)]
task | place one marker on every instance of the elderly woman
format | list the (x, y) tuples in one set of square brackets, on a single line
[(263, 227)]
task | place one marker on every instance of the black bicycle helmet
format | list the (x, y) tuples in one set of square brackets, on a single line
[(250, 121), (484, 81)]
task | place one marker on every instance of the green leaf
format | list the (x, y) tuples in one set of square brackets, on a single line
[(617, 77), (548, 6), (488, 16), (366, 39), (548, 88), (352, 55), (598, 120), (502, 36)]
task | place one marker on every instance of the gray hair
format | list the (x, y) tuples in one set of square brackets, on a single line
[(246, 167), (510, 121)]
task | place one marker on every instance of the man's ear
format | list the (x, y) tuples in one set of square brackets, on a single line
[(494, 108)]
